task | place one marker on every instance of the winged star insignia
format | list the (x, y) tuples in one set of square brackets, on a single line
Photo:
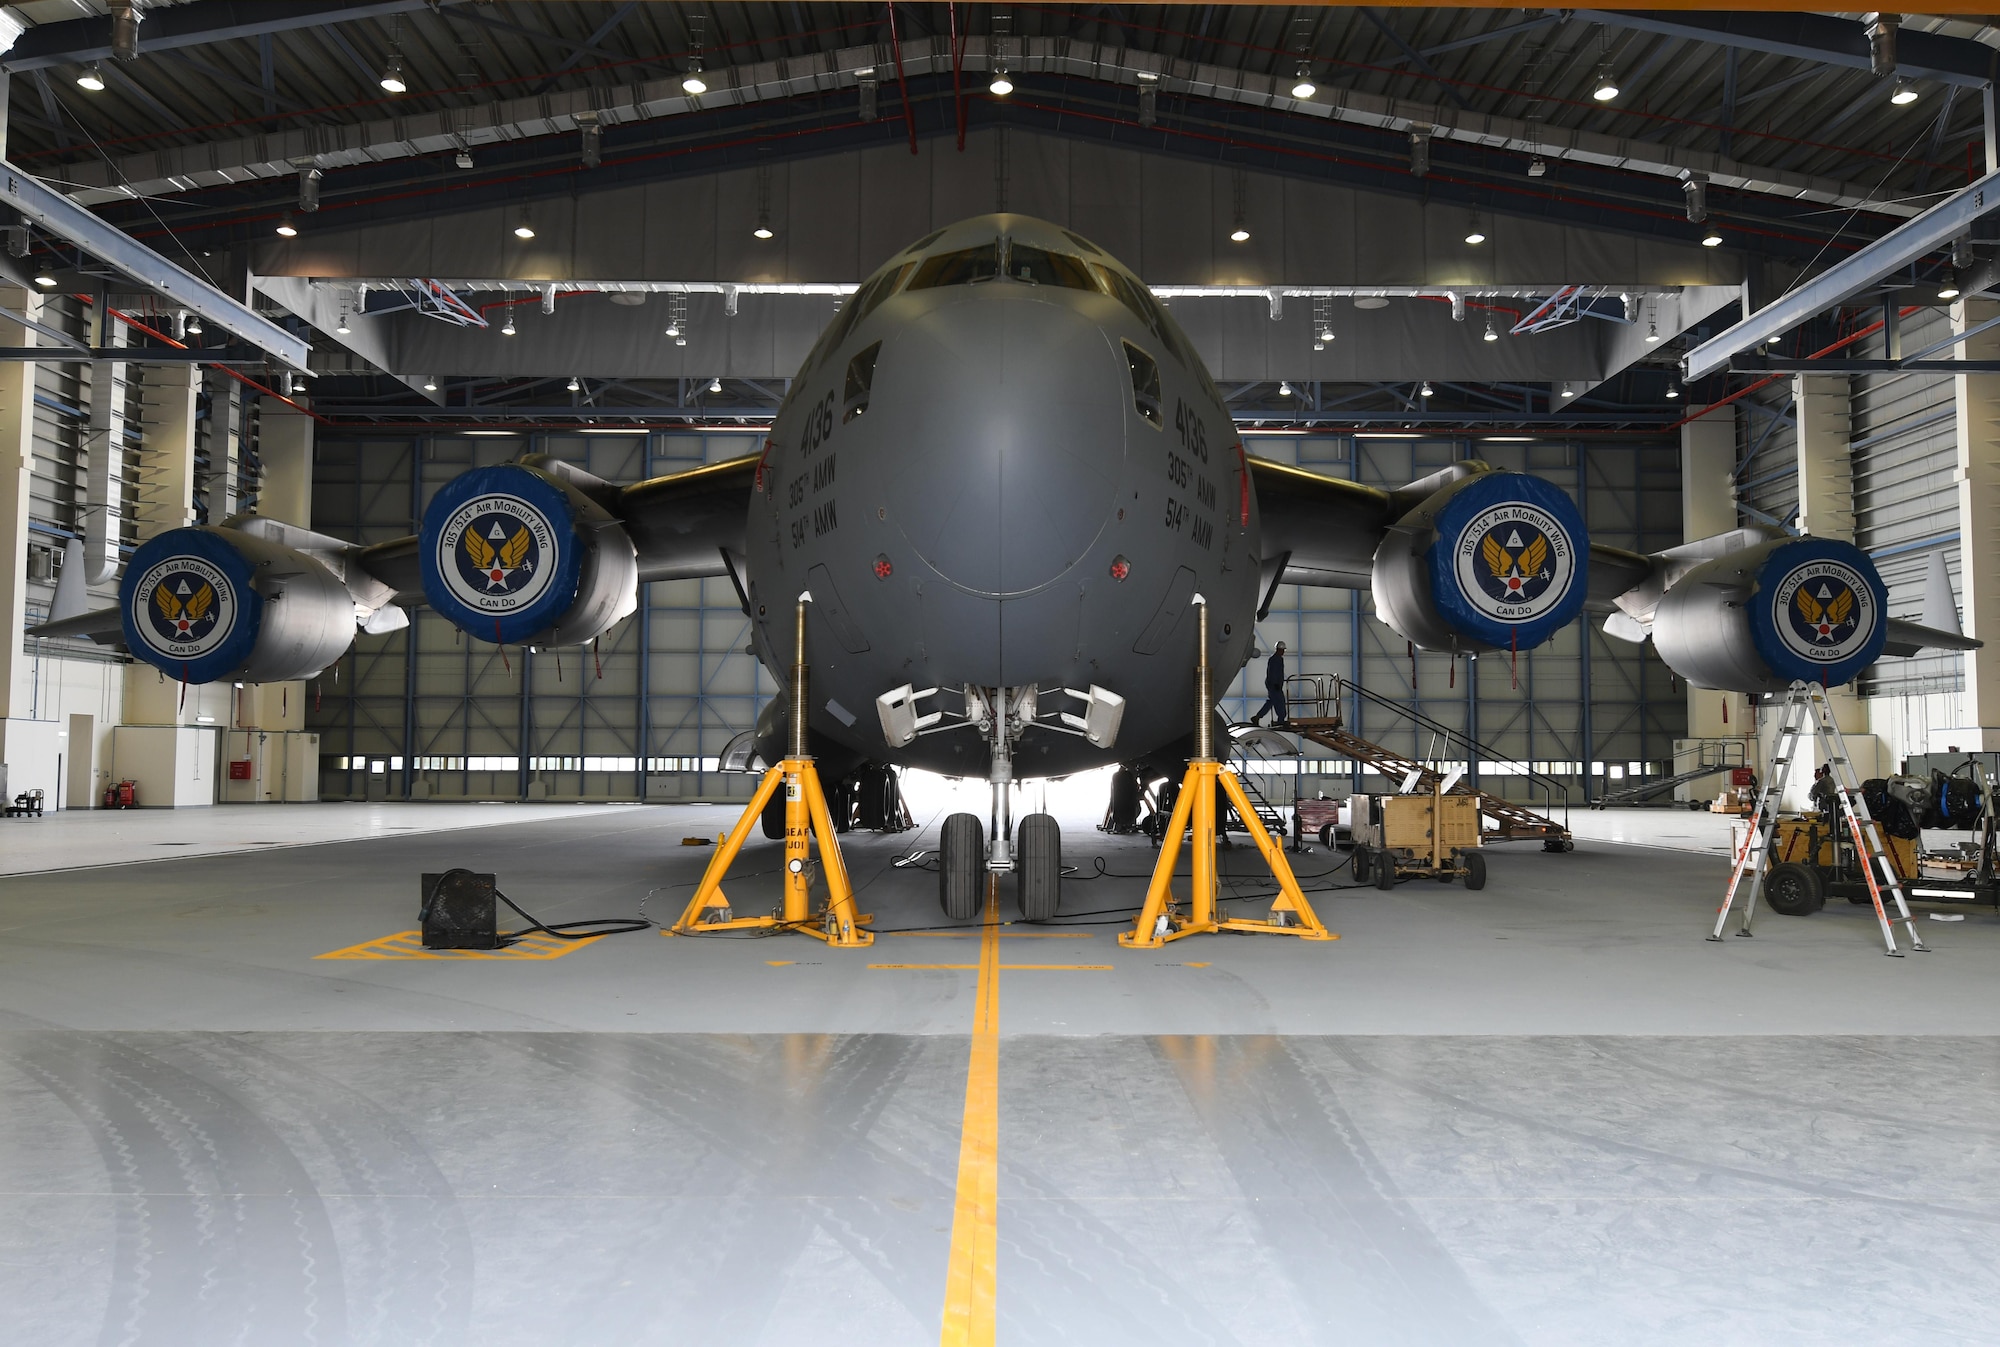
[(501, 562), (1514, 568), (183, 614), (1826, 610)]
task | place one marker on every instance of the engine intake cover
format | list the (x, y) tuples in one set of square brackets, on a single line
[(1495, 561), (512, 554), (205, 604), (1757, 620)]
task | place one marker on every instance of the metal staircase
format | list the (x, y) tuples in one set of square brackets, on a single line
[(1510, 821)]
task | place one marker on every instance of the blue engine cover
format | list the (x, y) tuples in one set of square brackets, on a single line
[(1510, 565), (187, 606), (501, 557), (1819, 611)]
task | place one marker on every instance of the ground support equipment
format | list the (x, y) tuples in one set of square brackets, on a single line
[(806, 818), (1806, 704), (1162, 919)]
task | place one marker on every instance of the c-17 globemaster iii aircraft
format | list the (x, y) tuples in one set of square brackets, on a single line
[(1002, 475)]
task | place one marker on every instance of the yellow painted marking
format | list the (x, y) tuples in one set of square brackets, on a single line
[(781, 963), (968, 1287), (1005, 967), (1004, 935), (410, 945), (1203, 964)]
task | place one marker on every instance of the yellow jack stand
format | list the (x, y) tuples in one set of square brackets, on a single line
[(1160, 920), (806, 817)]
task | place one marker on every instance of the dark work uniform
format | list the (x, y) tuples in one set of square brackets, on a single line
[(1274, 691)]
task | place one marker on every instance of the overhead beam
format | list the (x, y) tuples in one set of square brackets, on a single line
[(57, 214), (276, 154), (1811, 37), (79, 41), (1901, 246)]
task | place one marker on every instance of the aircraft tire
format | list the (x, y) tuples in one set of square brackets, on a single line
[(961, 866), (1038, 866)]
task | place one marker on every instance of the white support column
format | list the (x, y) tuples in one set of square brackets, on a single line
[(285, 447), (166, 451), (17, 464), (1826, 466), (1978, 406), (104, 492), (1708, 507)]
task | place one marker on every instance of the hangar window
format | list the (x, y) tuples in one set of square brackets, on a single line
[(860, 379), (1046, 268), (1145, 385), (960, 268)]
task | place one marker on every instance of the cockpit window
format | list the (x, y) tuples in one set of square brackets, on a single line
[(859, 305), (924, 242), (960, 268), (1145, 385), (860, 381), (1144, 307), (1083, 243), (1046, 268)]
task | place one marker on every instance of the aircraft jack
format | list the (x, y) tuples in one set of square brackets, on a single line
[(806, 818), (1161, 920)]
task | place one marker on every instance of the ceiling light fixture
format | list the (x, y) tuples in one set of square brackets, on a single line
[(1239, 235), (715, 384), (1284, 389), (194, 327), (1904, 95), (1240, 189), (673, 329), (91, 78), (392, 75), (1712, 239), (1490, 334), (286, 229), (1568, 392), (524, 231), (1949, 290), (46, 281), (1652, 333), (763, 229), (1425, 391), (1475, 235), (693, 83), (1326, 334), (1305, 88), (575, 385), (1000, 86), (1607, 85), (430, 383), (1673, 389), (340, 327), (508, 330)]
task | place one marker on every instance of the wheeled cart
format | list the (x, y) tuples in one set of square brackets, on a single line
[(1434, 836)]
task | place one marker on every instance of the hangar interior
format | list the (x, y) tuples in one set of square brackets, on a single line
[(1701, 289)]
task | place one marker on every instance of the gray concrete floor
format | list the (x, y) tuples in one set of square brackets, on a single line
[(1548, 1113)]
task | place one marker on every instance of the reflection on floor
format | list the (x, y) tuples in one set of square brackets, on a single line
[(1546, 1113)]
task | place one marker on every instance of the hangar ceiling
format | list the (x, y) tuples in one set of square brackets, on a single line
[(1148, 127)]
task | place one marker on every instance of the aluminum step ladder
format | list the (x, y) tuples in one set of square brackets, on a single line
[(1806, 703)]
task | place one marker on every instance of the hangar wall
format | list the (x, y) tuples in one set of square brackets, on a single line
[(425, 713)]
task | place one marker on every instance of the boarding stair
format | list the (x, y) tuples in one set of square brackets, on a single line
[(1315, 704), (1711, 757)]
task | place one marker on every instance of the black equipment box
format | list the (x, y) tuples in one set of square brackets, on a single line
[(459, 911)]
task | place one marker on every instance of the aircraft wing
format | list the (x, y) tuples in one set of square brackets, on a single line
[(395, 564), (1908, 638), (1615, 571), (102, 625), (1318, 530), (683, 524)]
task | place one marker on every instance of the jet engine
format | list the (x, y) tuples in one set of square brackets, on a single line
[(514, 554), (205, 604), (1785, 611), (1493, 561)]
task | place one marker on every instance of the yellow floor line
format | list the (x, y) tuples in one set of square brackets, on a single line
[(968, 1288)]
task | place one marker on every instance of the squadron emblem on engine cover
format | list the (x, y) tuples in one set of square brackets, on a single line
[(1825, 611), (183, 607), (494, 554), (1514, 562)]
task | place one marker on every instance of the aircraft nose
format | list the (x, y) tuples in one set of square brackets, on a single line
[(1009, 436)]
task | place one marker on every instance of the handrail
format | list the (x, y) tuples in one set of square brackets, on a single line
[(1329, 706)]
